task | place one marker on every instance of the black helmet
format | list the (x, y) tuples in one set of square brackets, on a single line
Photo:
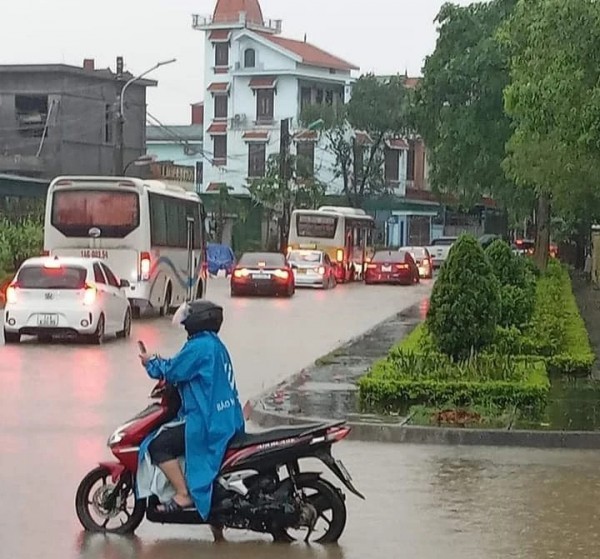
[(203, 316)]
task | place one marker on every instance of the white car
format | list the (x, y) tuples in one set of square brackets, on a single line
[(66, 296)]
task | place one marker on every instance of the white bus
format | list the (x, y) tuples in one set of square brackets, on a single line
[(345, 234), (151, 234)]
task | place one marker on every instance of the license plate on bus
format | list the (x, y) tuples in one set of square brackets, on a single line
[(261, 276), (94, 253), (47, 320)]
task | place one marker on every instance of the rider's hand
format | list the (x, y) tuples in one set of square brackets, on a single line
[(145, 357)]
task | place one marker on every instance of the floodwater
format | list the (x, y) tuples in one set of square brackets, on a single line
[(59, 403)]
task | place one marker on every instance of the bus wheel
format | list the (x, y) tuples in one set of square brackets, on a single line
[(166, 306)]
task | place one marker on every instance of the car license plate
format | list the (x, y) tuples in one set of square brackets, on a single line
[(343, 469), (260, 276), (386, 268), (47, 320), (301, 271)]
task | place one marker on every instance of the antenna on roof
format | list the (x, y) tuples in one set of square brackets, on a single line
[(305, 37)]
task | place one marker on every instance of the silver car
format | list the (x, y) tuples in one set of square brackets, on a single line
[(312, 268)]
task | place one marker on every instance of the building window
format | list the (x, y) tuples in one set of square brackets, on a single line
[(32, 114), (257, 153), (221, 102), (392, 166), (108, 125), (249, 58), (220, 148), (221, 54), (306, 159), (410, 163), (265, 100), (305, 97), (199, 173)]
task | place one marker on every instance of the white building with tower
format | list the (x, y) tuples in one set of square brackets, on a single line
[(255, 78)]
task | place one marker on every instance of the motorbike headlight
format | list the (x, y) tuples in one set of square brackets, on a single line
[(115, 438)]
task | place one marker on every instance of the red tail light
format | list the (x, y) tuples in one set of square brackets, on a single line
[(402, 266), (240, 273), (89, 295), (371, 266), (337, 434), (11, 293), (145, 265), (281, 274)]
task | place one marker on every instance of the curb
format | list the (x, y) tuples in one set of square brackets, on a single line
[(256, 411)]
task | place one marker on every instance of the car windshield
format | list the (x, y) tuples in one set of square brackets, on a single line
[(389, 256), (417, 252), (267, 259), (443, 242), (306, 256), (61, 277)]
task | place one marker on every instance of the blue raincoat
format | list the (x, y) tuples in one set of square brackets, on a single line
[(203, 374)]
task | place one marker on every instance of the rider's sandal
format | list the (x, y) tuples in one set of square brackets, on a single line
[(171, 507)]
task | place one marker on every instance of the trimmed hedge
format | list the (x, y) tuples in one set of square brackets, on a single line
[(557, 331), (396, 383)]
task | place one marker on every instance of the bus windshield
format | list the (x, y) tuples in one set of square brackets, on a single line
[(316, 226), (114, 213)]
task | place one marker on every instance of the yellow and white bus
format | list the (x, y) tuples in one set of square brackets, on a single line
[(345, 234)]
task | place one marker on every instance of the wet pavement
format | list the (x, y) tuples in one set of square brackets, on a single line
[(59, 403)]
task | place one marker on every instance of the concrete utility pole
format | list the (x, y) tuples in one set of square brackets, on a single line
[(120, 143), (284, 176)]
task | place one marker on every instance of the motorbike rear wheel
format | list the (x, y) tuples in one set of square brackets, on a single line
[(331, 510), (96, 515)]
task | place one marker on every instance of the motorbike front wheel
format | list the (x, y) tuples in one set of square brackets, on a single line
[(331, 512), (99, 509)]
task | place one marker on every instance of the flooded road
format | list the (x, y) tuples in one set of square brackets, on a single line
[(59, 403)]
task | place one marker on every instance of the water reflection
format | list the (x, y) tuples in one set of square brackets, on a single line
[(96, 546)]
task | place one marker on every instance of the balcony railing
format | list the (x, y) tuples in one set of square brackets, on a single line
[(202, 22)]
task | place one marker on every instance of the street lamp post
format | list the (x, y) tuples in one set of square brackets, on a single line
[(120, 144)]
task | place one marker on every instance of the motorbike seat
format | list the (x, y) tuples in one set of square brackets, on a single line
[(272, 435)]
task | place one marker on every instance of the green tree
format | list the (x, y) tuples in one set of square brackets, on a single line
[(356, 133), (224, 208), (554, 101), (459, 109), (465, 305), (281, 197), (19, 240)]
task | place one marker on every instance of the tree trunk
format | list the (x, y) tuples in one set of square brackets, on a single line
[(542, 237)]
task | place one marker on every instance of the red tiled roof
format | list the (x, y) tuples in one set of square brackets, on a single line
[(256, 135), (228, 11), (311, 55), (363, 139), (397, 143), (217, 128), (411, 83), (263, 82), (306, 136), (220, 35), (215, 186), (217, 87)]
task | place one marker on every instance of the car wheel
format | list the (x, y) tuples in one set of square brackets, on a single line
[(11, 337), (136, 312), (126, 332), (98, 336)]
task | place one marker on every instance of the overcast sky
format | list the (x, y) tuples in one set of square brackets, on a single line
[(385, 36)]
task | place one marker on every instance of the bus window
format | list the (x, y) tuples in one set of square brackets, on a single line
[(316, 226), (75, 212)]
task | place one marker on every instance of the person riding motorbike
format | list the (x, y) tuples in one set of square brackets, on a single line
[(210, 416)]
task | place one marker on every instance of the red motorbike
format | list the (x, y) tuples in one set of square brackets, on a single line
[(260, 486)]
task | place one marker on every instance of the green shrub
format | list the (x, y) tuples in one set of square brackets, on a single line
[(19, 241), (464, 308), (517, 285), (395, 384)]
